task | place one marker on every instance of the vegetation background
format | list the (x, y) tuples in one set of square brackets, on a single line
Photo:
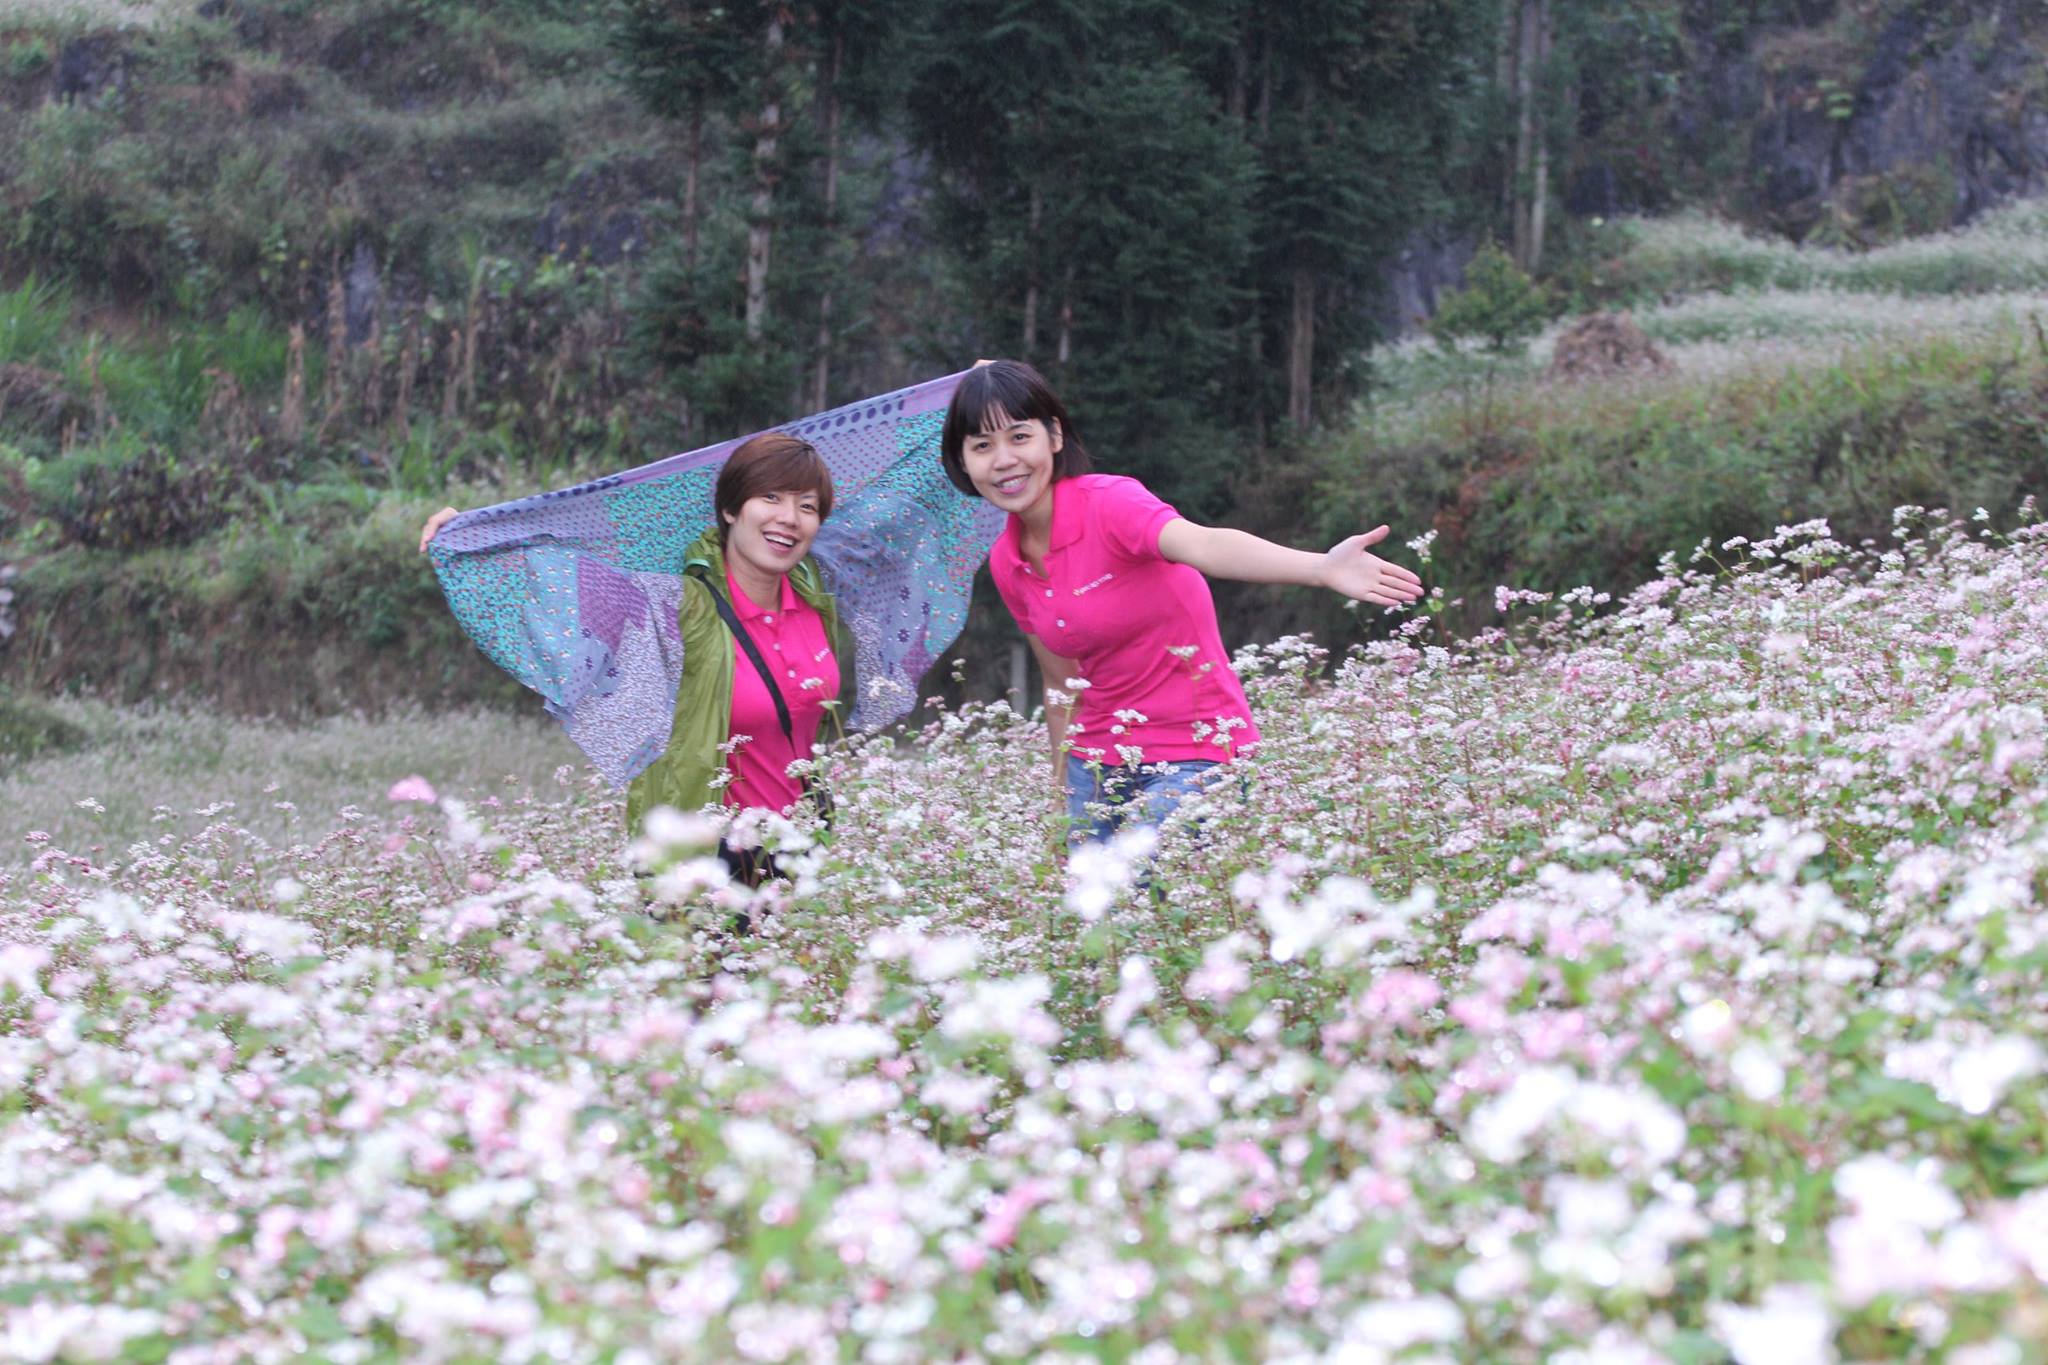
[(278, 277)]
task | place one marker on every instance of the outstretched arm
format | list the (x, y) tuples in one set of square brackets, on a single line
[(1347, 567)]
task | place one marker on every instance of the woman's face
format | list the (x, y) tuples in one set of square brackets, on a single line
[(773, 531), (1010, 463)]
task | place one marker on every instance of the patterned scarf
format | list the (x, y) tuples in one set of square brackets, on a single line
[(575, 593)]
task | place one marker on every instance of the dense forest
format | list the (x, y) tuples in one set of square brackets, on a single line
[(276, 276)]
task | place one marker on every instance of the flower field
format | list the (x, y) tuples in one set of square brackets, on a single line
[(1656, 979)]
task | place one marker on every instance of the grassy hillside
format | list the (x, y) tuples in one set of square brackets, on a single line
[(1799, 383), (279, 278)]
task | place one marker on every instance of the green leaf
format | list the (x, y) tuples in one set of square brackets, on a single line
[(320, 1323), (1877, 1096), (2033, 1173)]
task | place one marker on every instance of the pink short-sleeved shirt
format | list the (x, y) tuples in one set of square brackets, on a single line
[(791, 638), (1140, 628)]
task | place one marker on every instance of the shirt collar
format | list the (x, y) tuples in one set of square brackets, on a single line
[(1069, 519), (1070, 498), (744, 607)]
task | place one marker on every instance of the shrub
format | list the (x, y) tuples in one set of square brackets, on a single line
[(124, 494)]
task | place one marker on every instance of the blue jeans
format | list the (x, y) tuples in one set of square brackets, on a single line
[(1142, 795)]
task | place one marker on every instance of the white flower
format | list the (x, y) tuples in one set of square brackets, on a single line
[(1791, 1326), (1757, 1075), (1501, 1128), (940, 959), (1879, 1187), (1396, 1324)]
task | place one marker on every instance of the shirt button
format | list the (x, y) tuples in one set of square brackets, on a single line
[(1048, 592), (792, 673), (770, 619), (1059, 623)]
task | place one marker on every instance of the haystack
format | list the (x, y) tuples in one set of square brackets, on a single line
[(1603, 344)]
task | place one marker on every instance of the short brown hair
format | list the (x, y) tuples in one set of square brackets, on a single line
[(773, 462)]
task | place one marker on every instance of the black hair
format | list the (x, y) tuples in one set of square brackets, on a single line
[(1011, 390)]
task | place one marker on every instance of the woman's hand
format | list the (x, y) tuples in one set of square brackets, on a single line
[(435, 523), (1364, 577)]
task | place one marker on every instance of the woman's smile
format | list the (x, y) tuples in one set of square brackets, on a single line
[(1010, 464)]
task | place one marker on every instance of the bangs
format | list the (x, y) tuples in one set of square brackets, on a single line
[(999, 394), (796, 468), (773, 462), (992, 397)]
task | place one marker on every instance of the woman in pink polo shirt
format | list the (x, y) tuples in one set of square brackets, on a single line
[(1107, 583)]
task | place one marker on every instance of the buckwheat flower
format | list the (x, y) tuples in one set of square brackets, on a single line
[(287, 890), (1757, 1074), (1790, 1326), (1709, 1028), (463, 832), (1611, 1345), (19, 964), (1007, 1213), (1136, 988), (1500, 1130), (1910, 1195), (1399, 997), (1979, 1076), (959, 1094), (1008, 1007), (89, 804), (1491, 1278), (1393, 1325), (944, 957), (1223, 976), (413, 788)]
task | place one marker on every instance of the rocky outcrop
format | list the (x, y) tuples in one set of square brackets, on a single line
[(1938, 120)]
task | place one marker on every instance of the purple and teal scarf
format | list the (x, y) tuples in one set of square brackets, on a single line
[(575, 593)]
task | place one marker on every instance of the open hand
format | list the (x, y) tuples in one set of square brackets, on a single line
[(436, 522), (1351, 569)]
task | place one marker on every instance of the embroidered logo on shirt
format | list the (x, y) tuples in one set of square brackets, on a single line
[(1091, 587)]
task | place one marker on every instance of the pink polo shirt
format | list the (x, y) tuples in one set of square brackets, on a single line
[(791, 638), (1140, 628)]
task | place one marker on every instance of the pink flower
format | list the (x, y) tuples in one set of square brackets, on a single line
[(414, 788), (1007, 1214)]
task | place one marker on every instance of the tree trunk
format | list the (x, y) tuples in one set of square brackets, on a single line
[(694, 164), (1301, 348), (1037, 216), (761, 211), (1539, 188), (821, 381), (1066, 316), (1527, 57)]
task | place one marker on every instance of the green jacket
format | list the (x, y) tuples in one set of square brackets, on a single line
[(681, 777)]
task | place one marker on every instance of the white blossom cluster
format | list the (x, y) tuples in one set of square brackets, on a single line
[(1662, 982)]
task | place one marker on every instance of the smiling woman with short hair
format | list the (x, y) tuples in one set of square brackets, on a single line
[(764, 652)]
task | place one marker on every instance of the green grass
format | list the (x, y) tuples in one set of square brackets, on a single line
[(34, 317), (139, 763), (2006, 249), (1550, 486)]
